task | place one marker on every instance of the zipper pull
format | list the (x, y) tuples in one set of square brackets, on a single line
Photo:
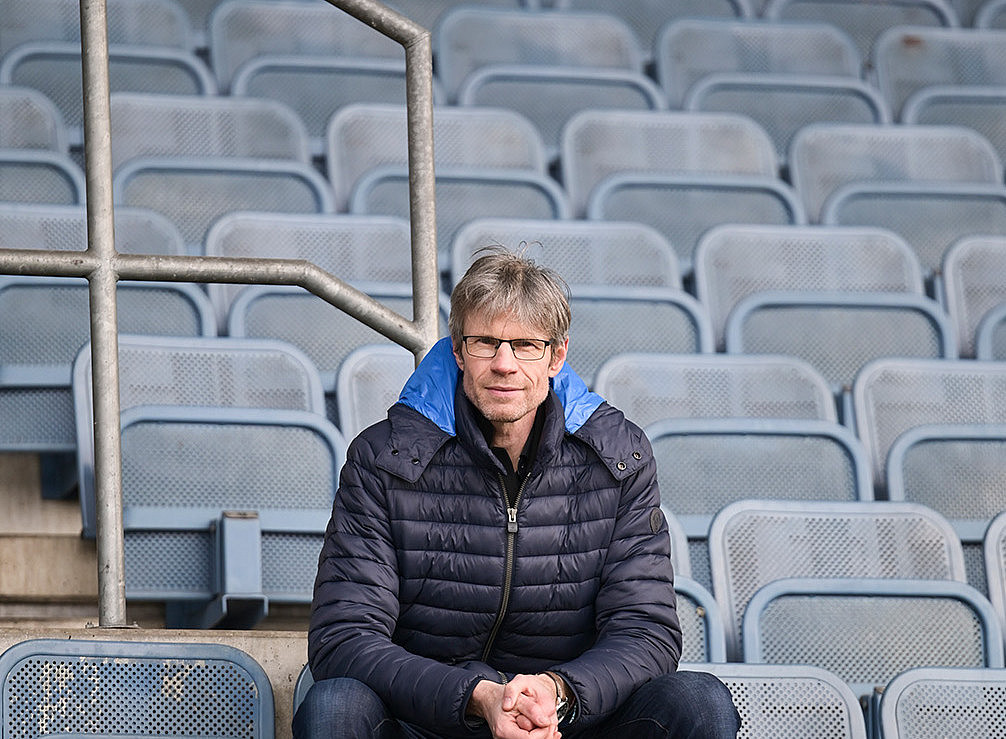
[(511, 522)]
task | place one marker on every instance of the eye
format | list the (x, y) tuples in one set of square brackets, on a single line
[(526, 345), (486, 341)]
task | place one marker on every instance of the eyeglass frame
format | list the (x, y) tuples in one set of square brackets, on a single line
[(546, 343)]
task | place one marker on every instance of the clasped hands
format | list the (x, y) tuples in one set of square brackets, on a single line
[(523, 708)]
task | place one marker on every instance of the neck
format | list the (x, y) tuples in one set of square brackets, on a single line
[(512, 436)]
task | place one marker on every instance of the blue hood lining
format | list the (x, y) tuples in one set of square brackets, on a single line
[(431, 388)]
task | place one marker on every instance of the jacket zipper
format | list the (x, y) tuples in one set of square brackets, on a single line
[(511, 536)]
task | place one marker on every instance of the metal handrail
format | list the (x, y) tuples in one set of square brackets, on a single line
[(103, 266)]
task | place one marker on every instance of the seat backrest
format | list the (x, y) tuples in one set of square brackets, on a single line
[(690, 49), (733, 262), (610, 322), (864, 22), (40, 176), (934, 702), (361, 138), (193, 193), (368, 382), (825, 156), (684, 207), (469, 38), (931, 217), (995, 564), (703, 638), (29, 120), (990, 338), (991, 15), (585, 253), (782, 104), (139, 22), (240, 31), (596, 144), (54, 68), (549, 96), (88, 687), (838, 333), (463, 194), (974, 283), (867, 631), (652, 387), (753, 543), (957, 105), (891, 396), (371, 249), (147, 125), (908, 59), (790, 701)]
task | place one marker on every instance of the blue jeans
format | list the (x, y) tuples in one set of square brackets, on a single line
[(680, 705)]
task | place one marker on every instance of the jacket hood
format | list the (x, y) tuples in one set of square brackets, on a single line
[(431, 388)]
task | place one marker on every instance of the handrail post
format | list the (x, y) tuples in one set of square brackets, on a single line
[(104, 332)]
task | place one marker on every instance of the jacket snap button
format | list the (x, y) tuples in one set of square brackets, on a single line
[(394, 452), (637, 455), (620, 465), (415, 460)]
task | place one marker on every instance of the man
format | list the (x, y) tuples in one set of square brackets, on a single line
[(497, 564)]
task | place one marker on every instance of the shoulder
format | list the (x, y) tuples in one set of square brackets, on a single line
[(620, 444)]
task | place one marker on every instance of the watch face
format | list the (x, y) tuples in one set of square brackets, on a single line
[(561, 709)]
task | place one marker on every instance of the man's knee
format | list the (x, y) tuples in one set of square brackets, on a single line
[(698, 705), (338, 707)]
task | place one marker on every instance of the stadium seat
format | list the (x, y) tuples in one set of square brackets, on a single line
[(735, 261), (357, 249), (891, 396), (990, 338), (96, 687), (705, 464), (364, 137), (469, 38), (684, 207), (824, 157), (838, 333), (463, 194), (318, 86), (782, 104), (612, 321), (193, 192), (584, 253), (549, 96), (992, 14), (929, 216), (149, 23), (910, 59), (936, 702), (647, 17), (36, 176), (54, 68), (428, 13), (790, 701), (191, 371), (241, 31), (864, 21), (967, 10), (240, 498), (147, 125), (703, 637), (867, 631), (680, 556), (29, 120), (974, 283), (690, 49), (958, 471), (753, 543), (368, 382), (995, 564), (597, 144), (325, 333), (653, 387)]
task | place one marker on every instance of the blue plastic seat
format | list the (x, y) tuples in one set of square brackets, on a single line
[(992, 14), (974, 285), (100, 688), (990, 337), (29, 120), (703, 636), (935, 702), (995, 564), (368, 382), (36, 176)]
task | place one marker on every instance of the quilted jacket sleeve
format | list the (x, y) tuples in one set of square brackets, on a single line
[(639, 636), (355, 609)]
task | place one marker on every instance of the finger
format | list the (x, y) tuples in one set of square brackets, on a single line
[(533, 708)]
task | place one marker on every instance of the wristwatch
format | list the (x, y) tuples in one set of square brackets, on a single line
[(562, 702)]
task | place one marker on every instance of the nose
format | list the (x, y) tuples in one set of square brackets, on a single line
[(504, 361)]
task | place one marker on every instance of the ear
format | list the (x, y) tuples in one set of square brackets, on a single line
[(458, 357), (558, 357)]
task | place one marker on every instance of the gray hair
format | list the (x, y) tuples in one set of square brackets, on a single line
[(503, 283)]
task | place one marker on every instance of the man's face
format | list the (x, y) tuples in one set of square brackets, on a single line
[(506, 389)]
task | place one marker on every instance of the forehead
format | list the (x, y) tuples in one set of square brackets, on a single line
[(502, 326)]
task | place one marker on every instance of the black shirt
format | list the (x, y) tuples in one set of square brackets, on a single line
[(513, 478)]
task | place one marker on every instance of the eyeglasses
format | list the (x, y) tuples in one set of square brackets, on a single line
[(485, 347)]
